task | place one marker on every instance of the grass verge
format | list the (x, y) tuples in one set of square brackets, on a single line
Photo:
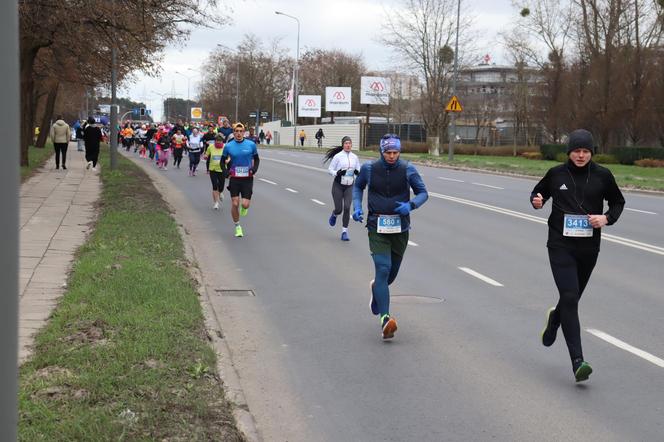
[(635, 177), (37, 158), (125, 354)]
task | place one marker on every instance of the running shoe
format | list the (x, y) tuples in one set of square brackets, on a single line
[(373, 305), (582, 373), (243, 212), (333, 220), (64, 167), (389, 327), (216, 206), (238, 231), (344, 236), (550, 328), (89, 165)]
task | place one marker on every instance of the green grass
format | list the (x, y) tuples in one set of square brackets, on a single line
[(634, 177), (125, 355), (36, 157)]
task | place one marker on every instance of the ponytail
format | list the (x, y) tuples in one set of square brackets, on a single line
[(331, 152)]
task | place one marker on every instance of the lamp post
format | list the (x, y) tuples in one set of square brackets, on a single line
[(237, 80), (163, 104), (297, 73), (452, 134), (188, 80)]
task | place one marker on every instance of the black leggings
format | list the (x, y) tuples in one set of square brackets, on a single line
[(177, 156), (92, 154), (571, 271), (194, 159), (60, 148), (342, 197)]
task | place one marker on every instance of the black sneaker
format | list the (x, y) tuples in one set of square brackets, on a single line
[(550, 328), (582, 371)]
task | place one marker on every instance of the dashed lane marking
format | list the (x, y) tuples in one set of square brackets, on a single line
[(411, 243), (317, 202), (640, 211), (489, 186), (480, 276), (291, 190), (268, 181), (450, 179), (625, 346)]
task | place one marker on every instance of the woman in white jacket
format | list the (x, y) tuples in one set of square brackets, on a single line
[(344, 167)]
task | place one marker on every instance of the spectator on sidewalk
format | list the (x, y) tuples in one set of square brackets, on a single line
[(92, 136), (268, 137), (261, 136), (80, 142), (60, 135), (303, 136)]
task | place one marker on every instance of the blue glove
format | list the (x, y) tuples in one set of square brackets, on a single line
[(357, 215), (403, 209)]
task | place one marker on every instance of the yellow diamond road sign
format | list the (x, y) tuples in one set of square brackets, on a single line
[(453, 105)]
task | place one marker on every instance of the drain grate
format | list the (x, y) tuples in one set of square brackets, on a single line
[(415, 299), (237, 293)]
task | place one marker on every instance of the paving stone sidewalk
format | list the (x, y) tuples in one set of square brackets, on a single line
[(57, 209)]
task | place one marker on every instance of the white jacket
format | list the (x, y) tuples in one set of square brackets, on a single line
[(344, 160), (60, 132)]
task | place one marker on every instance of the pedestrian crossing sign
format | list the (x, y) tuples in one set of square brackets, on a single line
[(453, 105)]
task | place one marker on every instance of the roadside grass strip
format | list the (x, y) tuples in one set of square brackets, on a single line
[(125, 355), (37, 157)]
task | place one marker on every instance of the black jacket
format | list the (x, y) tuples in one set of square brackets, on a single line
[(579, 191)]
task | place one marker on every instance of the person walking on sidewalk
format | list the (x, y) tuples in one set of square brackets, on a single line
[(344, 167), (302, 136), (241, 158), (578, 189), (389, 181), (60, 135), (92, 136), (80, 142)]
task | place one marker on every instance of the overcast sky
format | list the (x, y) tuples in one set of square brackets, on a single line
[(351, 25)]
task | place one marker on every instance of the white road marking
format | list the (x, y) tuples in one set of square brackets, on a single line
[(291, 190), (625, 346), (477, 275), (318, 202), (411, 243), (268, 181), (450, 179), (640, 211), (488, 185)]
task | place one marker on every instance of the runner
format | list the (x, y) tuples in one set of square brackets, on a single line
[(178, 143), (163, 149), (345, 165), (226, 130), (151, 142), (208, 139), (241, 158), (578, 189), (389, 180), (213, 154), (127, 136), (195, 148)]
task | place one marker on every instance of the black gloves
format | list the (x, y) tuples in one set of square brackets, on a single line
[(341, 172)]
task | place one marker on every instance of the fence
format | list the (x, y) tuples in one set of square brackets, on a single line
[(333, 134)]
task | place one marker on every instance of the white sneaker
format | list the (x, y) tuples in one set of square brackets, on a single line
[(89, 165), (216, 206), (94, 169)]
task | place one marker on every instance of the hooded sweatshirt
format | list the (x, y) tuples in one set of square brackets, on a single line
[(60, 132)]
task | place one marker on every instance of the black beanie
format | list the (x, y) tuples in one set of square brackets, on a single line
[(580, 138), (344, 139)]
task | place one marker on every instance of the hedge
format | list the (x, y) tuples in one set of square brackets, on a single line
[(551, 151), (627, 155)]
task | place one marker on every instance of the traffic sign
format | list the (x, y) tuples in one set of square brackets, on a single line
[(454, 105), (252, 114), (265, 114)]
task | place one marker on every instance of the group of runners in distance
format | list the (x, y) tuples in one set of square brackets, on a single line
[(577, 189)]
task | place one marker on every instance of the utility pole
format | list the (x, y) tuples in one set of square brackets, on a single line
[(9, 217), (297, 77), (114, 110), (452, 134)]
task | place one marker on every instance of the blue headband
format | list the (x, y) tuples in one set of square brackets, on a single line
[(390, 142)]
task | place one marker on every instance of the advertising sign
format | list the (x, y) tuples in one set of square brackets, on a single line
[(375, 90), (337, 99), (308, 105), (196, 113)]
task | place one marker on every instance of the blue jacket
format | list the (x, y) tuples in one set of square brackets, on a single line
[(388, 184)]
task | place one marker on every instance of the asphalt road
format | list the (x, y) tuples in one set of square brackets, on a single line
[(466, 362)]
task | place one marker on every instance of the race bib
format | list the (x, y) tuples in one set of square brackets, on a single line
[(389, 224), (577, 226), (216, 158), (241, 172), (348, 178)]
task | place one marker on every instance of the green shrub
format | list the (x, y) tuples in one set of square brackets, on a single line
[(550, 151), (561, 157), (415, 147), (649, 162), (628, 155), (604, 158)]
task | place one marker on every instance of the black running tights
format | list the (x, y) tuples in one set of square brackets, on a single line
[(571, 271), (342, 197)]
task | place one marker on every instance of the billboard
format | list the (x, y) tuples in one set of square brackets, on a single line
[(308, 106), (337, 99), (375, 90), (196, 113)]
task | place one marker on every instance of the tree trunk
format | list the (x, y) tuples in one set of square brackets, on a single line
[(53, 87), (27, 61)]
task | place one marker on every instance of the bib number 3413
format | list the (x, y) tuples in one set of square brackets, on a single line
[(577, 226)]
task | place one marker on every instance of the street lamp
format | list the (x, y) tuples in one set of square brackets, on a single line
[(188, 80), (237, 80), (452, 134), (297, 68), (163, 104)]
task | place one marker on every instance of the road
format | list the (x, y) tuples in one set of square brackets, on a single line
[(466, 363)]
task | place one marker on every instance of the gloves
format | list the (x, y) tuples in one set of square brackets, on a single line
[(403, 209), (357, 215), (357, 172), (341, 172), (253, 171)]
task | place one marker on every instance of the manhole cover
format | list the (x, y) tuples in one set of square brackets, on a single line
[(414, 299), (224, 292)]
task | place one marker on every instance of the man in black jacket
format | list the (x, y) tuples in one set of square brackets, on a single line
[(578, 189)]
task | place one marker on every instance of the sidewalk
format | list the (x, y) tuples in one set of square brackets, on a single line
[(56, 211)]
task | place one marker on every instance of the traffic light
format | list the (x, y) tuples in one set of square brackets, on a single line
[(142, 112)]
